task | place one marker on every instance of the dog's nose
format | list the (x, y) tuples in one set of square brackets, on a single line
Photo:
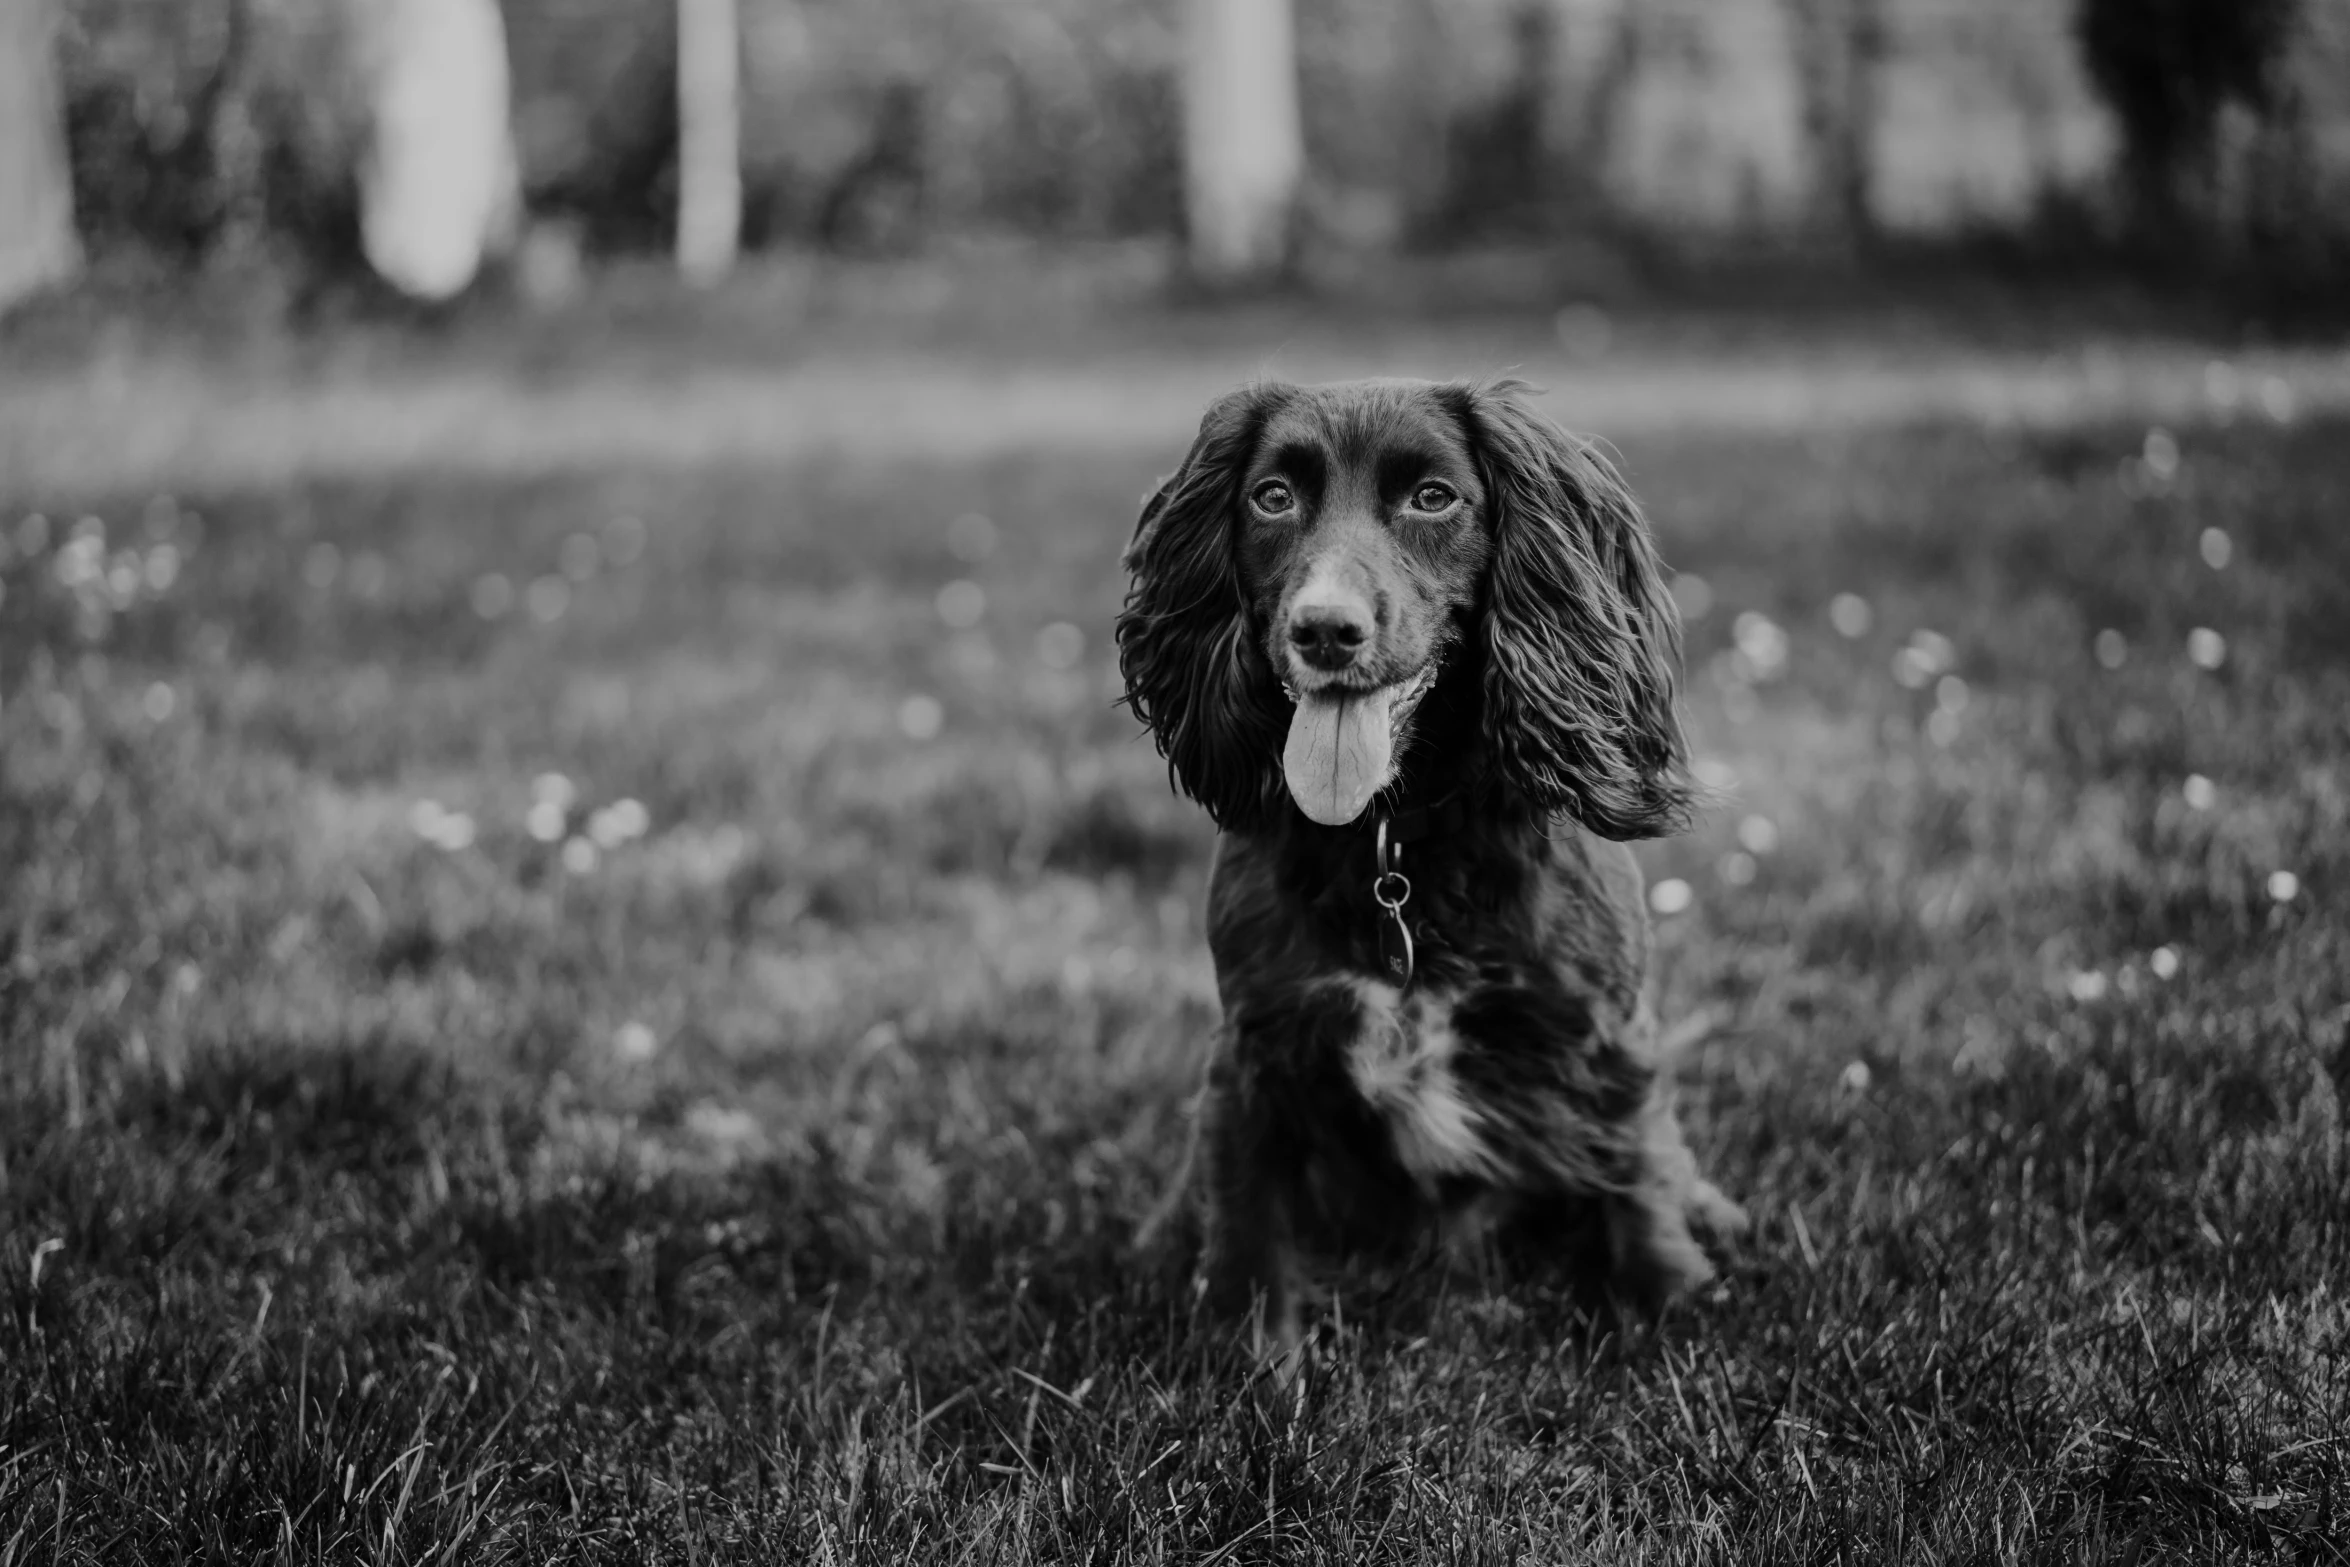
[(1329, 631)]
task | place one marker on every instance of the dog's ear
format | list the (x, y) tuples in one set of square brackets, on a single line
[(1582, 642), (1193, 672)]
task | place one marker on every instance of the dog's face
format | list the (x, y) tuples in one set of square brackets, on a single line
[(1327, 554), (1361, 538)]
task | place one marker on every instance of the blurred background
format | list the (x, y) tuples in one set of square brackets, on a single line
[(582, 939), (1551, 149)]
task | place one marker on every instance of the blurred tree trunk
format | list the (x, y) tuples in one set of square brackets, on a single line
[(38, 247), (709, 139), (1243, 145), (440, 188), (1842, 59)]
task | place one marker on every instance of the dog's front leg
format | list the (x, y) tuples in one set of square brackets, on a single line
[(1250, 1261), (1656, 1257)]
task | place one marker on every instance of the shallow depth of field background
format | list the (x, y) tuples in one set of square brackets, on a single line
[(589, 969)]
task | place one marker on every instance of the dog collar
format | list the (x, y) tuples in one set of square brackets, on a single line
[(1390, 888), (1444, 814)]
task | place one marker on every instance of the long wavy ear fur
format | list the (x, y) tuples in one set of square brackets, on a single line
[(1193, 672), (1582, 641)]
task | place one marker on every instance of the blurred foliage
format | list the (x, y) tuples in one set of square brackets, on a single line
[(197, 127), (868, 127), (2168, 67), (212, 130), (865, 126), (2232, 115)]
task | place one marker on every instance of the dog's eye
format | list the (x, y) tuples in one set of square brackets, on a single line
[(1273, 498), (1433, 497)]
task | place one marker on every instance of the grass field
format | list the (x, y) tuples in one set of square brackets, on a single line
[(623, 1014)]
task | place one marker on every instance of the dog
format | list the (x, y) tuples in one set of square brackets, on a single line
[(1411, 646)]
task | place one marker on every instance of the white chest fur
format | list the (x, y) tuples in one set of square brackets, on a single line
[(1403, 1064)]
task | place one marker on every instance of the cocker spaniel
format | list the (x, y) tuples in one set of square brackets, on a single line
[(1410, 645)]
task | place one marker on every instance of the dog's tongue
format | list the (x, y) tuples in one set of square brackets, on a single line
[(1338, 753)]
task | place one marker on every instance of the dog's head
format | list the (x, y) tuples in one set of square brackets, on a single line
[(1327, 557)]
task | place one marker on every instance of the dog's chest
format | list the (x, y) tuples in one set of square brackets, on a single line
[(1405, 1062)]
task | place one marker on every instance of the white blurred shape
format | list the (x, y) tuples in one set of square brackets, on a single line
[(2113, 649), (1737, 868), (1714, 773), (1671, 896), (1850, 614), (2284, 886), (159, 702), (2217, 548), (439, 826), (921, 717), (81, 561), (2160, 454), (2164, 961), (971, 537), (724, 1124), (440, 185), (1694, 595), (2206, 648), (962, 604), (1855, 1078), (123, 579), (555, 788), (621, 822), (544, 820), (2200, 792), (2223, 389), (1060, 645), (1942, 727), (579, 856), (633, 1041), (2085, 985), (1762, 641), (709, 139), (630, 818), (1759, 834)]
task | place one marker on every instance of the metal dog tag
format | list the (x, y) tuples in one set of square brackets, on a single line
[(1391, 889), (1395, 943)]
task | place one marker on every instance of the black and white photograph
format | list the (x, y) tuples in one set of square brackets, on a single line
[(1190, 782)]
